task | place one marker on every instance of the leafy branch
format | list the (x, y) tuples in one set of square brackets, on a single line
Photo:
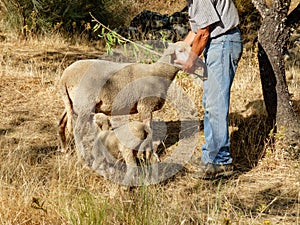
[(112, 38)]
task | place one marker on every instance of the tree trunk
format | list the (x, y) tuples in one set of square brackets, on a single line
[(272, 39), (268, 81)]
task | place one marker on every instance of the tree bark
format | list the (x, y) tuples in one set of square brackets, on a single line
[(268, 81), (272, 40)]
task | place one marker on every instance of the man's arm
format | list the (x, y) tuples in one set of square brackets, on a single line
[(198, 42), (190, 37)]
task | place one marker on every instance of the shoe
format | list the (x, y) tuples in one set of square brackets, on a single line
[(213, 171)]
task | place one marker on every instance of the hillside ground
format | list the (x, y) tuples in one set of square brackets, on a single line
[(40, 185)]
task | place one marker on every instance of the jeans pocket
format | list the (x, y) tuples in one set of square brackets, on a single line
[(236, 51)]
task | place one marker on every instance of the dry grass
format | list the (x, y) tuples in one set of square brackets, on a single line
[(163, 7), (38, 185)]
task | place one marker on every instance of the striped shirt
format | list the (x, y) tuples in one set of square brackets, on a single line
[(220, 15)]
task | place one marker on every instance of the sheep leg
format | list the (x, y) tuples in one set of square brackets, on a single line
[(131, 165), (145, 146), (62, 131), (129, 175), (149, 151), (147, 120), (151, 148)]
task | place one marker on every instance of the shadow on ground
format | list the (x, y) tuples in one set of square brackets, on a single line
[(249, 139), (171, 132)]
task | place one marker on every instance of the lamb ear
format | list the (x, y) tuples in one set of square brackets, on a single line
[(170, 44), (170, 49)]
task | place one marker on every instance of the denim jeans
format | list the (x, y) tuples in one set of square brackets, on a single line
[(221, 58)]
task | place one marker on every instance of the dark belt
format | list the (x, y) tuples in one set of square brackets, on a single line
[(227, 32), (232, 29)]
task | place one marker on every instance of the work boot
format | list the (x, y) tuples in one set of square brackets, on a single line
[(213, 171)]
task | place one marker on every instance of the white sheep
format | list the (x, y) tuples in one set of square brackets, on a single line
[(126, 140), (88, 86), (69, 83)]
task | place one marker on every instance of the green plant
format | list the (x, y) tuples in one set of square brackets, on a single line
[(43, 16), (113, 39), (110, 37), (86, 209)]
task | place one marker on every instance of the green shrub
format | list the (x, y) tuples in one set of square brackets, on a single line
[(70, 16)]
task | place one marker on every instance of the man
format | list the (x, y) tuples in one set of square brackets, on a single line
[(214, 31)]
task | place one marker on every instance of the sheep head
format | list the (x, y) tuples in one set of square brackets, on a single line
[(102, 121), (182, 53), (177, 50)]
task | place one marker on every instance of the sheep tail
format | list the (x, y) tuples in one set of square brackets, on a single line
[(69, 110), (69, 98), (63, 116)]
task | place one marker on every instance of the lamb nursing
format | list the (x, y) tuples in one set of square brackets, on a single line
[(124, 142), (100, 86)]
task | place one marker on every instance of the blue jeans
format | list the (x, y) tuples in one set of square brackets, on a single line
[(221, 58)]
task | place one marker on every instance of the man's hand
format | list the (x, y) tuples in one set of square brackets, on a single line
[(188, 65), (198, 44)]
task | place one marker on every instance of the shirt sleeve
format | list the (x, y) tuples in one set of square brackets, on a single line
[(202, 14)]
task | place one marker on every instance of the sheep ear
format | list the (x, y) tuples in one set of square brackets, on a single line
[(170, 49), (170, 44)]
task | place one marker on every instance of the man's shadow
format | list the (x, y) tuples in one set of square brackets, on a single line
[(171, 132), (248, 140)]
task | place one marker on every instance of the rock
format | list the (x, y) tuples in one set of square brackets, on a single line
[(150, 25)]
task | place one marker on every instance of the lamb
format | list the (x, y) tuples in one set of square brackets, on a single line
[(111, 88), (126, 139)]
